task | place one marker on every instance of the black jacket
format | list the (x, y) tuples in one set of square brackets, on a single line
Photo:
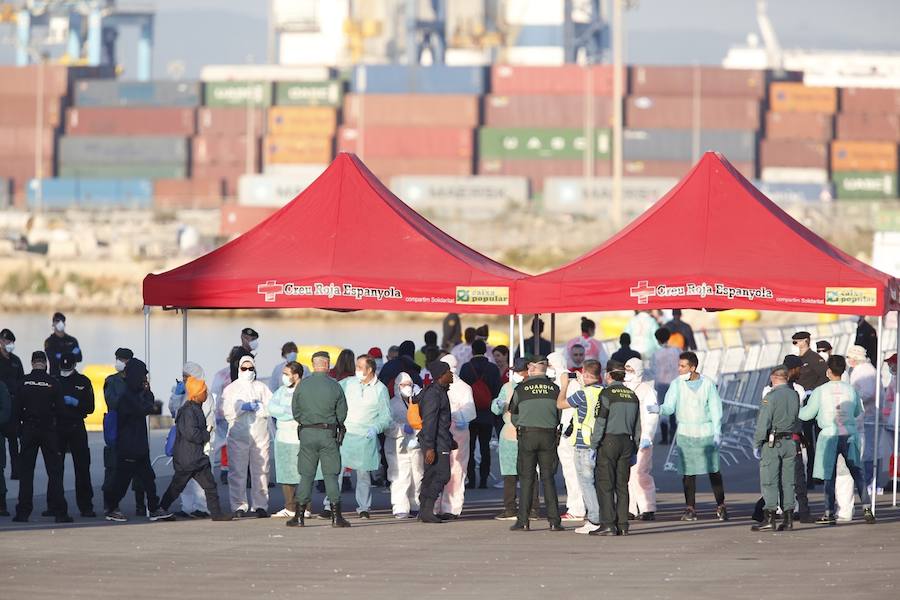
[(401, 364), (79, 387), (12, 374), (867, 337), (623, 355), (191, 435), (55, 346), (480, 366), (135, 404), (38, 401), (434, 408), (544, 347)]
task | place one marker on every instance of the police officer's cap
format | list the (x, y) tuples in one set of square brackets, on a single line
[(792, 362), (823, 346), (321, 354), (39, 356), (6, 334), (801, 335), (437, 369), (124, 354), (537, 359), (780, 370), (520, 364), (249, 332), (67, 361)]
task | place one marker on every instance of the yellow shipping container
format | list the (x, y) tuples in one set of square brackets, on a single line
[(302, 120), (863, 156), (793, 96), (298, 149)]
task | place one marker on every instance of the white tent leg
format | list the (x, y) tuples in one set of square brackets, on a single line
[(184, 325), (512, 340), (147, 336), (878, 366), (896, 414), (521, 338)]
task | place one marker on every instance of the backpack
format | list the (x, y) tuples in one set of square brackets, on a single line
[(481, 393), (110, 427), (413, 416)]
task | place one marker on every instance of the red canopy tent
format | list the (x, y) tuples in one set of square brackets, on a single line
[(714, 241), (346, 242)]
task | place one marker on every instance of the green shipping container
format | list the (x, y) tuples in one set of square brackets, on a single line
[(309, 93), (124, 171), (237, 93), (857, 185), (527, 142)]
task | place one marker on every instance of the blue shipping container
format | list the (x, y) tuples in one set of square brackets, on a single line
[(105, 92), (62, 193), (437, 79)]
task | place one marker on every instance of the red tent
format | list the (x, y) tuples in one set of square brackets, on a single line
[(714, 241), (346, 242)]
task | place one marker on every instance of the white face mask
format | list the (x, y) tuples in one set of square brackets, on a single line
[(120, 366), (247, 375), (286, 380), (685, 377), (885, 377), (630, 377), (291, 356), (406, 391), (796, 350), (60, 326), (360, 375), (10, 348), (254, 344), (824, 355), (551, 373), (378, 364), (66, 372), (516, 378)]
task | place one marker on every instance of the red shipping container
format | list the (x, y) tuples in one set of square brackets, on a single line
[(399, 142), (229, 121), (674, 168), (793, 153), (224, 150), (865, 100), (871, 127), (23, 81), (228, 174), (385, 168), (818, 127), (187, 193), (176, 122), (22, 169), (563, 79), (704, 81), (21, 111), (537, 169), (544, 111), (677, 112), (238, 219), (21, 142), (412, 110)]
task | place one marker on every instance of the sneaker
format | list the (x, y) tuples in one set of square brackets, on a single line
[(284, 514), (507, 515), (365, 515), (868, 516), (647, 516), (689, 515), (161, 515), (199, 514), (587, 528), (117, 516), (827, 519), (261, 513), (400, 516), (570, 517), (324, 515), (722, 513), (67, 519), (448, 517)]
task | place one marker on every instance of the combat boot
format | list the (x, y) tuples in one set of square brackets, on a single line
[(426, 511), (787, 521), (298, 520), (337, 519), (768, 523)]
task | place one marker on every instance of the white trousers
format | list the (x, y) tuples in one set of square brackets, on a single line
[(574, 501), (454, 494), (844, 491), (405, 469), (641, 485), (241, 453)]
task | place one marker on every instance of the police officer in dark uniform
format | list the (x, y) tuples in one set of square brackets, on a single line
[(536, 418), (40, 402), (11, 373), (812, 375), (78, 403), (249, 344), (617, 427), (435, 439), (60, 343)]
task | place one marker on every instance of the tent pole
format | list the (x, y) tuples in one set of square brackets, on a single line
[(521, 338), (553, 330), (878, 366), (184, 319), (896, 413), (512, 340), (536, 333), (147, 336)]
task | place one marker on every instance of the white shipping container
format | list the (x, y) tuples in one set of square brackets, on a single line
[(270, 190), (578, 196), (474, 198), (534, 56), (793, 175), (265, 73), (301, 171)]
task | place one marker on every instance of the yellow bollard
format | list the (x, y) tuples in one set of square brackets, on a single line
[(97, 374)]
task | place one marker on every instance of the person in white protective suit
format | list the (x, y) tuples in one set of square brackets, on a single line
[(405, 463), (219, 452), (862, 384), (575, 509), (864, 379), (642, 329), (462, 410), (641, 485), (193, 498), (245, 404)]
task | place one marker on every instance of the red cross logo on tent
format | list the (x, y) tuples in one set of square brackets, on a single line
[(643, 291), (270, 290)]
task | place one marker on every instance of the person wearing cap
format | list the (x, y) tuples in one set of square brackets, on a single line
[(11, 374), (375, 354), (812, 375), (462, 412), (435, 439), (484, 379), (775, 444), (535, 415), (835, 406), (695, 402), (544, 347), (320, 409), (114, 388), (58, 343), (824, 349), (592, 349), (508, 448), (39, 402), (245, 404), (288, 355), (249, 344), (193, 500), (78, 403), (190, 457)]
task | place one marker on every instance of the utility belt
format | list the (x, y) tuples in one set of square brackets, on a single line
[(524, 429), (331, 426), (338, 430)]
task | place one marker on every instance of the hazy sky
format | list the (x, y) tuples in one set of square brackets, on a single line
[(202, 32)]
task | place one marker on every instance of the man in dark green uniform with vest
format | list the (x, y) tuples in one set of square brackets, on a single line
[(617, 427), (775, 444), (536, 418), (320, 408)]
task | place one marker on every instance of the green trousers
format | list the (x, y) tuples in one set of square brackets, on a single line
[(538, 449), (318, 446), (777, 465)]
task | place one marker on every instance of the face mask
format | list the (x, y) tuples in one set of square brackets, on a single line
[(120, 366), (378, 364), (685, 377), (516, 378), (247, 375), (406, 391), (286, 381), (360, 375), (291, 356), (10, 348), (824, 355), (60, 326), (630, 377), (885, 377), (796, 351), (66, 372), (254, 344), (551, 373)]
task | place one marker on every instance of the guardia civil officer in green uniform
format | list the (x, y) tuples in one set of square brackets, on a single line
[(320, 408), (617, 428), (775, 444), (536, 418)]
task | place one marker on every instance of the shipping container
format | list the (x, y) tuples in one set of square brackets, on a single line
[(793, 96), (174, 122), (22, 111), (863, 156), (873, 127), (110, 93), (865, 185), (685, 112), (703, 81), (401, 79), (297, 149), (5, 192), (124, 171), (678, 144), (676, 168), (240, 219), (793, 153), (134, 150), (386, 168), (227, 174), (473, 198), (22, 142), (187, 193), (225, 150), (794, 175), (227, 73), (296, 170), (66, 193), (414, 110), (21, 169), (578, 196), (309, 93), (874, 101), (545, 111), (816, 127), (399, 142), (237, 93), (552, 80), (57, 79), (548, 143), (538, 169), (230, 121), (302, 120), (270, 190), (785, 193)]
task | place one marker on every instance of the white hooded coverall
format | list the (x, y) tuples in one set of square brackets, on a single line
[(641, 485), (462, 410), (405, 465), (565, 449)]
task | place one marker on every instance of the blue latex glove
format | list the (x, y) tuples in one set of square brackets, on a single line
[(371, 433), (250, 406), (408, 430), (70, 400), (76, 350), (717, 439), (593, 455), (645, 443), (179, 388), (461, 422), (757, 453), (653, 409)]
